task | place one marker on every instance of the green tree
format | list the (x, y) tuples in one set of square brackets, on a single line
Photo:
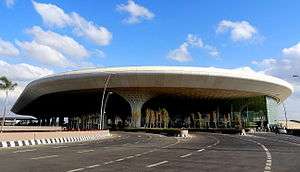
[(152, 118), (166, 117), (7, 86), (147, 118), (160, 117)]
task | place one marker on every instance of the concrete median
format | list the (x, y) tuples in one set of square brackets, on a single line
[(37, 138)]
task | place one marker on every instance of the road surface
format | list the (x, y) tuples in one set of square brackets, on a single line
[(149, 152)]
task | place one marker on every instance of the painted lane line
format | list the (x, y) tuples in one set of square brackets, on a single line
[(109, 162), (138, 154), (93, 166), (209, 146), (186, 155), (77, 169), (44, 157), (85, 151), (121, 159), (157, 164), (57, 147), (200, 150), (268, 163), (26, 150), (130, 157)]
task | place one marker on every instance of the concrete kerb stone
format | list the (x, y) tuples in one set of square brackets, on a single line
[(47, 141)]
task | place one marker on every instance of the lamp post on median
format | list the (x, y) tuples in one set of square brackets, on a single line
[(106, 83), (104, 108), (284, 107)]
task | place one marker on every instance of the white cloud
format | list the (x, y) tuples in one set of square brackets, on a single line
[(212, 51), (99, 53), (292, 52), (194, 41), (182, 53), (136, 12), (239, 31), (99, 35), (44, 54), (7, 49), (62, 43), (9, 3), (285, 67), (54, 16), (20, 73)]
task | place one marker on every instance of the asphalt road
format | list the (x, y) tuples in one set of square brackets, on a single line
[(150, 152)]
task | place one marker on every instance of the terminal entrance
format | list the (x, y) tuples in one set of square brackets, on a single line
[(204, 113)]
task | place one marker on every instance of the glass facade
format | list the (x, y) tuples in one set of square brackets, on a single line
[(273, 109), (252, 112)]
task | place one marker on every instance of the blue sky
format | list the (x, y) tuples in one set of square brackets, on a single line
[(258, 35)]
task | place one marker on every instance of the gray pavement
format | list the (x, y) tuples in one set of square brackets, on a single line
[(150, 152)]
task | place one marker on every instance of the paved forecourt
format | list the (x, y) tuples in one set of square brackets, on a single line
[(149, 152)]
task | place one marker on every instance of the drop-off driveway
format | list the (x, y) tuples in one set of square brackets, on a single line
[(150, 152)]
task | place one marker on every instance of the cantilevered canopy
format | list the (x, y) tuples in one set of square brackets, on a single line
[(150, 81)]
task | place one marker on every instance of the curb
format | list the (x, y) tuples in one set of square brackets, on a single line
[(19, 143)]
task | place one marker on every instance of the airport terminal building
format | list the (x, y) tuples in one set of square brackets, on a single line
[(154, 97)]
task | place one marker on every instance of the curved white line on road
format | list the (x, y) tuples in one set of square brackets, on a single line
[(44, 157), (157, 164), (268, 163), (186, 155), (26, 150), (85, 151), (93, 166), (77, 169)]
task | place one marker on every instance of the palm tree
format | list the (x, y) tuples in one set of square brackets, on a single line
[(166, 117), (7, 86), (147, 119)]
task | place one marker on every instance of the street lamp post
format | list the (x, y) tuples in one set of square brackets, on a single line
[(104, 108), (106, 82), (101, 116), (284, 107)]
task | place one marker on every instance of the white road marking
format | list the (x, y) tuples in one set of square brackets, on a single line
[(85, 151), (186, 155), (93, 166), (77, 169), (26, 150), (200, 150), (44, 157), (157, 164), (138, 154), (57, 147), (129, 157), (121, 159), (109, 162), (209, 146), (268, 163)]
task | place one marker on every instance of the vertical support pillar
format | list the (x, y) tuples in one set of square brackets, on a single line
[(136, 112), (43, 121), (136, 99), (231, 115), (48, 121), (61, 121)]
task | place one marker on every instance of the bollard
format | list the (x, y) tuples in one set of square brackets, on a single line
[(184, 133)]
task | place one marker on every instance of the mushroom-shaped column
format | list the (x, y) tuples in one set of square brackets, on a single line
[(136, 100)]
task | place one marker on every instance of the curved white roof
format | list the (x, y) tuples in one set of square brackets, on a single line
[(195, 81)]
